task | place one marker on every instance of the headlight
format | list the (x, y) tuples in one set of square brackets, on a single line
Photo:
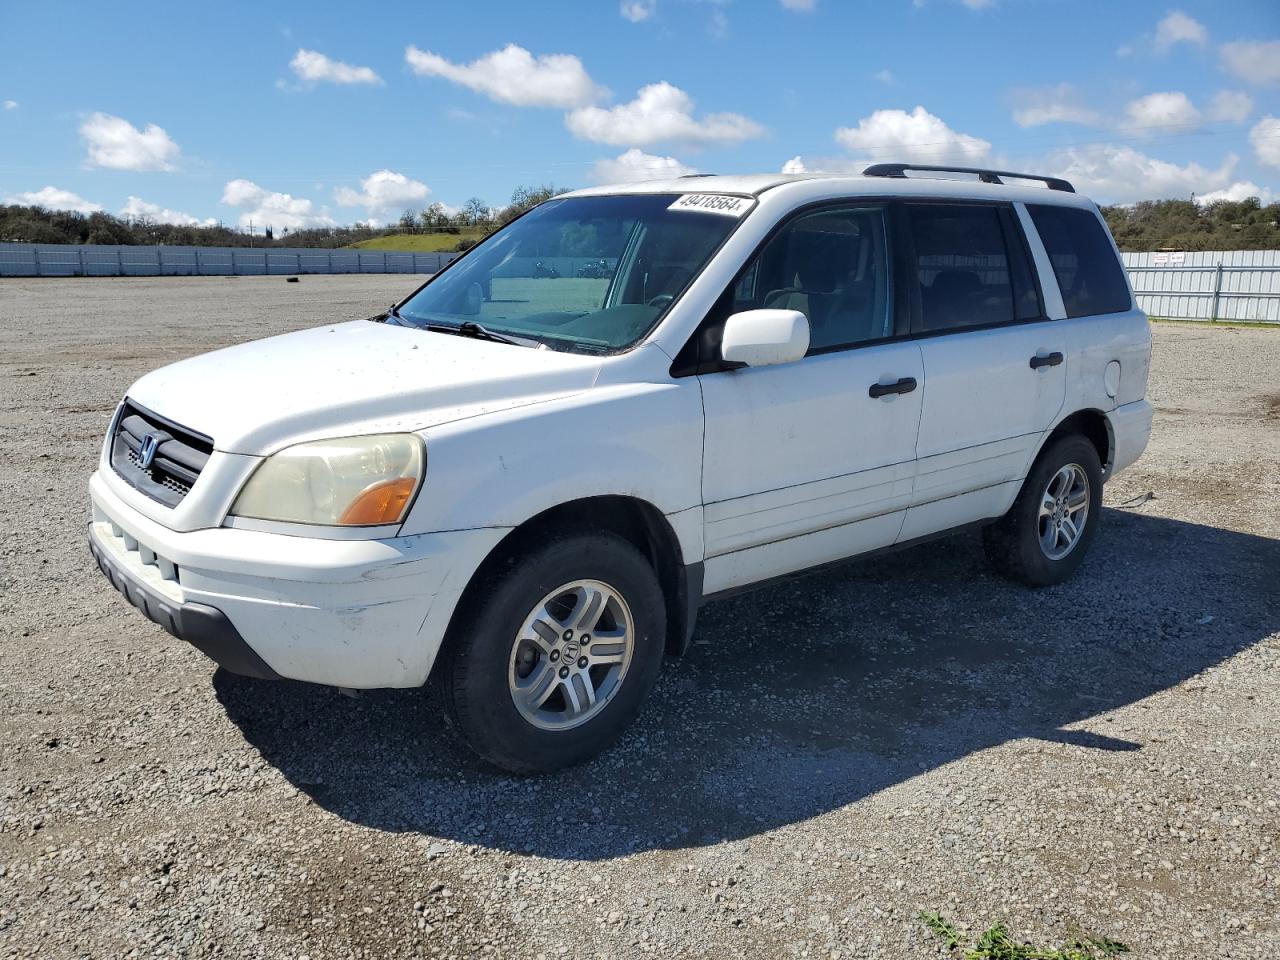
[(355, 481)]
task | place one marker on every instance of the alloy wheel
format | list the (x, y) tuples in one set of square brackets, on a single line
[(571, 655), (1064, 511)]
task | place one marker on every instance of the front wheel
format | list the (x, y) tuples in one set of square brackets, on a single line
[(1047, 532), (552, 655)]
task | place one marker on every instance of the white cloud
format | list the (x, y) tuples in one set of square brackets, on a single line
[(139, 209), (637, 165), (971, 4), (54, 198), (1265, 137), (514, 75), (886, 77), (800, 6), (267, 209), (1230, 106), (718, 25), (659, 113), (1110, 173), (1060, 104), (118, 144), (1172, 108), (830, 166), (311, 66), (916, 136), (1168, 109), (1240, 190), (11, 104), (1177, 28), (1253, 61), (383, 192), (637, 10)]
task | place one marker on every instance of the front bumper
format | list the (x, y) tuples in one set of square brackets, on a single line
[(204, 627), (349, 613)]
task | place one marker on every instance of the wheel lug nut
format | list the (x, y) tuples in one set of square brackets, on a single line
[(582, 663), (564, 672), (568, 635), (585, 639), (555, 655)]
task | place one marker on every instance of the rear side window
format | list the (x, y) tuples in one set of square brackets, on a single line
[(970, 270), (1084, 261)]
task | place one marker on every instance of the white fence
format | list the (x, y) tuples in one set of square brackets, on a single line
[(91, 260), (1204, 285), (1208, 285)]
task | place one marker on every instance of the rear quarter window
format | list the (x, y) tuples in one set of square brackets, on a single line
[(1084, 261)]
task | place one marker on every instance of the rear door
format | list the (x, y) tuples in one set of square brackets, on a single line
[(995, 365)]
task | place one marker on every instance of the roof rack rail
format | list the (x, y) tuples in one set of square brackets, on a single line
[(986, 176)]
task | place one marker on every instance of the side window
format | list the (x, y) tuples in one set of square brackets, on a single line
[(831, 265), (1089, 275), (970, 269)]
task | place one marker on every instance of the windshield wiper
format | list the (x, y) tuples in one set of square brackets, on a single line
[(469, 328), (472, 329)]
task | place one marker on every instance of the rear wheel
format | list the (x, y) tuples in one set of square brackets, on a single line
[(553, 654), (1047, 532)]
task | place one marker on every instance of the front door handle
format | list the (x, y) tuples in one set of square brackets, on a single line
[(1052, 360), (905, 385)]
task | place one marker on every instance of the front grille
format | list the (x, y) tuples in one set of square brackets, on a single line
[(177, 454)]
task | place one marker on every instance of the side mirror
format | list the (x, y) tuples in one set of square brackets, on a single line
[(760, 338)]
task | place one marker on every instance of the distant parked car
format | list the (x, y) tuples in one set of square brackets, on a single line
[(526, 497)]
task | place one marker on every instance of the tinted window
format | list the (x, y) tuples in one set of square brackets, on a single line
[(1089, 275), (962, 268), (832, 266)]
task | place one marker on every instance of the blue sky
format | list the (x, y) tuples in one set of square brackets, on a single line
[(300, 114)]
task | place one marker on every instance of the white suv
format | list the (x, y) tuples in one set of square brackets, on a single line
[(524, 480)]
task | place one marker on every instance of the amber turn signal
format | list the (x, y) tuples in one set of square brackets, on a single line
[(381, 503)]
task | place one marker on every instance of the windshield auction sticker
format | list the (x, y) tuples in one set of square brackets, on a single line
[(714, 203)]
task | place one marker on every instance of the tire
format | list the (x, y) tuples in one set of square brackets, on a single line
[(1017, 545), (495, 636)]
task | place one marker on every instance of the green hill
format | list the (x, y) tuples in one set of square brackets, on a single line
[(419, 242)]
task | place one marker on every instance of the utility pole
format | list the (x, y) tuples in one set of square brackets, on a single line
[(251, 234)]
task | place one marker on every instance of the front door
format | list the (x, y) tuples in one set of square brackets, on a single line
[(812, 461)]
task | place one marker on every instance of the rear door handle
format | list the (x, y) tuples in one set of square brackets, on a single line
[(1052, 360), (905, 385)]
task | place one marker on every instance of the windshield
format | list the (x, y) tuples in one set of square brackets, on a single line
[(587, 273)]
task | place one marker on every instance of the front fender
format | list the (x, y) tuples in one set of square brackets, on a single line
[(636, 440)]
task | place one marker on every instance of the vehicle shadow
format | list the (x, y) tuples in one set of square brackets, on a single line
[(803, 697)]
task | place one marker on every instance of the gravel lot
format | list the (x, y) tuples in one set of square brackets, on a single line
[(834, 755)]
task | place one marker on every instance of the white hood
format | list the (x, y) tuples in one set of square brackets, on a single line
[(352, 378)]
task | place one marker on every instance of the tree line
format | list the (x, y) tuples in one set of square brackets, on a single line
[(1147, 225), (27, 224), (1185, 225)]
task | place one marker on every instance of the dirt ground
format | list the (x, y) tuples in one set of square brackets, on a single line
[(834, 755)]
